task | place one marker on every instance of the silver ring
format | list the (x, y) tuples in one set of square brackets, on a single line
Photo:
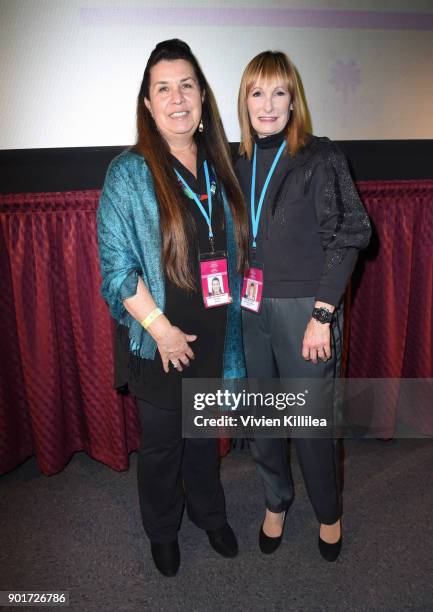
[(175, 364)]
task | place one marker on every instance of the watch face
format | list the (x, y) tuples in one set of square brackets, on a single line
[(322, 315)]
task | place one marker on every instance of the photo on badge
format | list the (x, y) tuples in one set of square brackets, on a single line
[(251, 297), (215, 282)]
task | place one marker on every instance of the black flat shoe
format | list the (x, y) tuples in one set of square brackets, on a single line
[(267, 544), (166, 557), (328, 551), (223, 540)]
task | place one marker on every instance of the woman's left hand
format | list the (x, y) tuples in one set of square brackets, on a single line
[(317, 341)]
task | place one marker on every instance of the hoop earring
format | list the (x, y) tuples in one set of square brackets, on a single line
[(201, 126)]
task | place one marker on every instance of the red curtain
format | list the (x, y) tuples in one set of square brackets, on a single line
[(391, 314), (56, 362), (56, 358), (392, 310)]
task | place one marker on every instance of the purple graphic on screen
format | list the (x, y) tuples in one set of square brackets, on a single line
[(271, 17), (345, 78)]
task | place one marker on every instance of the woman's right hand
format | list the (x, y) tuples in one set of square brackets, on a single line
[(172, 343)]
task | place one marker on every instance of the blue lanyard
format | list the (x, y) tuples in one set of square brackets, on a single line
[(255, 215), (206, 215)]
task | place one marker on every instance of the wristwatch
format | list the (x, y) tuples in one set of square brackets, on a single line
[(323, 315)]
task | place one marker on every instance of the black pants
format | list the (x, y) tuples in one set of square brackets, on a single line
[(172, 471), (273, 343)]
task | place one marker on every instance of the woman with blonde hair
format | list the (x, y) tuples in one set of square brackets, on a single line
[(307, 224)]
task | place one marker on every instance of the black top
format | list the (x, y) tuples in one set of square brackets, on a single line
[(146, 378), (312, 222)]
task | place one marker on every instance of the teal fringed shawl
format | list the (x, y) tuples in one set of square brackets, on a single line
[(130, 246)]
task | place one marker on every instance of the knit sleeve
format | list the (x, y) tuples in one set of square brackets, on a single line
[(344, 226), (118, 264)]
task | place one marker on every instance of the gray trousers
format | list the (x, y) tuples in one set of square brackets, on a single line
[(273, 344)]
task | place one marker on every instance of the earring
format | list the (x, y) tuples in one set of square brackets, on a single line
[(201, 126), (291, 106)]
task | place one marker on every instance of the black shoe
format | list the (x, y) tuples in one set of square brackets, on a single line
[(223, 540), (166, 556), (267, 544), (328, 551)]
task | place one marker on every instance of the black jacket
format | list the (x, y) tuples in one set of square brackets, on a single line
[(313, 222)]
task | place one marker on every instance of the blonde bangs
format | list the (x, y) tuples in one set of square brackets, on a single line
[(269, 68)]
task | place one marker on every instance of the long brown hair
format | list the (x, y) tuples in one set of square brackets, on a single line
[(155, 150), (267, 66)]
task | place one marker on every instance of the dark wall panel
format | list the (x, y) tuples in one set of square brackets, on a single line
[(33, 170)]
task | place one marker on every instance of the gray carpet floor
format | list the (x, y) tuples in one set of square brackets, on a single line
[(80, 531)]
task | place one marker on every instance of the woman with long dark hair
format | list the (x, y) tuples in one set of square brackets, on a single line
[(171, 210), (307, 224)]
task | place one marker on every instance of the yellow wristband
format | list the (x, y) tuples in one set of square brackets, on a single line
[(156, 312)]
